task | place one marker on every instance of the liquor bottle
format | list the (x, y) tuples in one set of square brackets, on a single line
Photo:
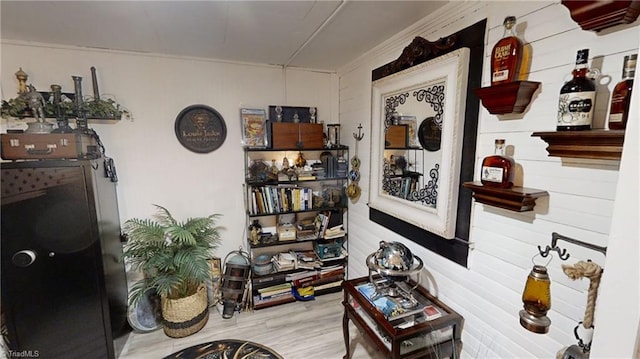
[(577, 97), (498, 170), (506, 56), (621, 95)]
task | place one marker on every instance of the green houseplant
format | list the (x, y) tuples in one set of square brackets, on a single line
[(174, 257)]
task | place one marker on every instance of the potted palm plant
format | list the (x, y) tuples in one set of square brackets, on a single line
[(174, 257)]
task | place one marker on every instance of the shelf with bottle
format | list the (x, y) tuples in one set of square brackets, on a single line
[(574, 136), (496, 187), (591, 144), (600, 15), (517, 199), (509, 92)]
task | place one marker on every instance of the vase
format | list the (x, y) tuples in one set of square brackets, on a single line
[(185, 316)]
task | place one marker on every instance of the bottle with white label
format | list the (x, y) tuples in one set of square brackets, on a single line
[(498, 170), (506, 56), (577, 97)]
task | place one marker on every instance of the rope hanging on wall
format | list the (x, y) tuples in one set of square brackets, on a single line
[(577, 271), (592, 271)]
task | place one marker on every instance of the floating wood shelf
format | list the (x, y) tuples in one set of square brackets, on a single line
[(599, 15), (506, 98), (594, 144), (518, 199)]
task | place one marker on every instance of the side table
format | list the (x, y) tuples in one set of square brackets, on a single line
[(433, 332)]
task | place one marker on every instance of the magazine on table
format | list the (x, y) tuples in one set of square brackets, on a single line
[(392, 308)]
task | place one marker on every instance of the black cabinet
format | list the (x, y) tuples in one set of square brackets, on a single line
[(64, 291)]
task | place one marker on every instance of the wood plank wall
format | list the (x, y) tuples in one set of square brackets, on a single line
[(488, 292)]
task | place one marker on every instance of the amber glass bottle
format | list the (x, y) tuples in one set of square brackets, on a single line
[(506, 56), (498, 170), (577, 98), (621, 95)]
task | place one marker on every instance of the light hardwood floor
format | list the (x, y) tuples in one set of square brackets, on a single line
[(300, 330)]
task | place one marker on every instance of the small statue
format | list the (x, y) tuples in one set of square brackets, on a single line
[(256, 231), (300, 161), (35, 101)]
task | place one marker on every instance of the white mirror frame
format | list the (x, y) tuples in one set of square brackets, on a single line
[(451, 70)]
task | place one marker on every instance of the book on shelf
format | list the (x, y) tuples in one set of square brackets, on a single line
[(284, 261), (259, 303), (274, 291), (329, 285), (334, 232), (278, 288), (306, 235), (332, 270)]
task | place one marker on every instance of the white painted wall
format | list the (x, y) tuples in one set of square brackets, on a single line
[(154, 168), (152, 165), (582, 192)]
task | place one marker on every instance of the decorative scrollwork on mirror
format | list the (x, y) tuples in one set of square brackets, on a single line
[(424, 128)]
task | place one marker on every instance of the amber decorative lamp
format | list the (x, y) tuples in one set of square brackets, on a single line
[(537, 301)]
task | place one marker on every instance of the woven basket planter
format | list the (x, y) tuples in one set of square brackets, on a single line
[(185, 316)]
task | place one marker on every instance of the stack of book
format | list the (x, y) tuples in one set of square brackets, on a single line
[(284, 261), (334, 232), (306, 230), (273, 295), (307, 260)]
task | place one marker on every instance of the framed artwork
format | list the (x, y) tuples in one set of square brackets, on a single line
[(425, 192), (254, 127)]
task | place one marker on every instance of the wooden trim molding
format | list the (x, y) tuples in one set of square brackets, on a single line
[(602, 14)]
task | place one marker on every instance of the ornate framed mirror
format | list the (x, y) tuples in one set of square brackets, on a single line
[(424, 129)]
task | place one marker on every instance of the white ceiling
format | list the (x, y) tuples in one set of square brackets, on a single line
[(323, 35)]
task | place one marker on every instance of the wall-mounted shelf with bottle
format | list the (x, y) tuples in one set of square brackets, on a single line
[(593, 144), (508, 97), (518, 199), (600, 15)]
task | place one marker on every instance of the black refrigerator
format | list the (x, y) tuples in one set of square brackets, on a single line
[(64, 289)]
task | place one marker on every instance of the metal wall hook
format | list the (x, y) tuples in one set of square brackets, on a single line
[(360, 135), (555, 237)]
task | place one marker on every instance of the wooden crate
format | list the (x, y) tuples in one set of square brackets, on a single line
[(285, 136)]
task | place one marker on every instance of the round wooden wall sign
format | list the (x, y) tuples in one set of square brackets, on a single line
[(200, 128)]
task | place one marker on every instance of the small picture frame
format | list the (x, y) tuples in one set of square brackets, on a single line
[(412, 129), (254, 127)]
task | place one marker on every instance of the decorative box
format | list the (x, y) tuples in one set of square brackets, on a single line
[(286, 233), (329, 249), (396, 136), (286, 136)]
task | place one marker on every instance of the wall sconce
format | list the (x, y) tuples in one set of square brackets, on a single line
[(536, 298)]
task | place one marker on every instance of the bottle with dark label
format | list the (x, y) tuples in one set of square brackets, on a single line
[(506, 56), (621, 95), (577, 97), (498, 170)]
